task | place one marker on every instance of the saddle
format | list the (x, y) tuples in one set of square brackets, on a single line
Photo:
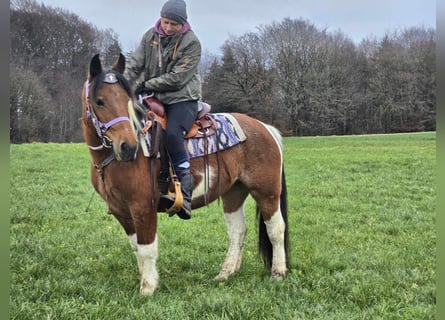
[(203, 126)]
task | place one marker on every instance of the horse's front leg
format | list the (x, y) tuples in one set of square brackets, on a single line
[(236, 229), (147, 251), (147, 255), (128, 225)]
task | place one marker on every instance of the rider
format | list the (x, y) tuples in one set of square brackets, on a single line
[(167, 60)]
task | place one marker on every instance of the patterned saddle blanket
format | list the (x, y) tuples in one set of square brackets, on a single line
[(228, 134)]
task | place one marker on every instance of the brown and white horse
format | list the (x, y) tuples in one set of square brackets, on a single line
[(127, 180)]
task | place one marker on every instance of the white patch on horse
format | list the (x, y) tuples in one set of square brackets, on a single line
[(236, 229), (275, 230), (146, 255), (200, 189), (132, 238), (275, 133)]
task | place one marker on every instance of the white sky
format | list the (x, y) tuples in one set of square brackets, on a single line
[(214, 21)]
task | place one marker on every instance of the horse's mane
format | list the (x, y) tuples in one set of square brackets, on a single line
[(98, 81)]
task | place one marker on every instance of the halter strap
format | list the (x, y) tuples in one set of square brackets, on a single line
[(89, 110), (115, 120), (87, 89)]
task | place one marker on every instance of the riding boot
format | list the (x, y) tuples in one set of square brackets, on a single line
[(186, 189)]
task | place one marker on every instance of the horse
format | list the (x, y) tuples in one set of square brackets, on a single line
[(127, 181)]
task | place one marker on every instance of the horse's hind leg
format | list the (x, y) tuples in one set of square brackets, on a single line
[(236, 229), (275, 230), (272, 241)]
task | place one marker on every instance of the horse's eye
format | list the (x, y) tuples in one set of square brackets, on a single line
[(99, 102)]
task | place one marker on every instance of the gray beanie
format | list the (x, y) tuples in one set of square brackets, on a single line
[(175, 10)]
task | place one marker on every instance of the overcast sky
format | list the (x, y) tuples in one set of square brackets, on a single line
[(214, 21)]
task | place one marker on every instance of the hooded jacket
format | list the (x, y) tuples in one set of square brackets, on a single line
[(168, 65)]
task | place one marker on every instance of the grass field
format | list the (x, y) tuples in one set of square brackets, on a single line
[(362, 235)]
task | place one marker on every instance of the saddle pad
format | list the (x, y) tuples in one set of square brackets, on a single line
[(229, 134)]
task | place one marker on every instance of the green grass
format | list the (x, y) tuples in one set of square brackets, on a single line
[(362, 235)]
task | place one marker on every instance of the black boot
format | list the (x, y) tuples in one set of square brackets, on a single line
[(167, 202), (186, 189)]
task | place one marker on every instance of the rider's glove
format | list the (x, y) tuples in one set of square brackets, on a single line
[(140, 89)]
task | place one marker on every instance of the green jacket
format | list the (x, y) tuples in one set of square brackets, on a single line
[(170, 70)]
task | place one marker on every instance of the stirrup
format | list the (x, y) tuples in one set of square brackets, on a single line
[(172, 203), (166, 202), (177, 204)]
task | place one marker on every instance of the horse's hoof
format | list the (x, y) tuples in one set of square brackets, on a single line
[(221, 277), (278, 276), (147, 289)]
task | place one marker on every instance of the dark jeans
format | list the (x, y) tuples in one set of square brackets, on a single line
[(180, 118)]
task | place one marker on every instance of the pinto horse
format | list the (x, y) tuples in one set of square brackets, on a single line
[(127, 179)]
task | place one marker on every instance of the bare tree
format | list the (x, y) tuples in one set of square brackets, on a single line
[(56, 46), (296, 49), (28, 104)]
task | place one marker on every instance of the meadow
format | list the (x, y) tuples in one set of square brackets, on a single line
[(362, 212)]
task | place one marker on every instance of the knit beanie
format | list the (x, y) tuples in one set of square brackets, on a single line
[(175, 10)]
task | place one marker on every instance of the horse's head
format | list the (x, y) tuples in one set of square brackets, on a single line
[(107, 103)]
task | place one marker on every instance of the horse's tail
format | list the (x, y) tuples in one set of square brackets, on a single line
[(264, 244)]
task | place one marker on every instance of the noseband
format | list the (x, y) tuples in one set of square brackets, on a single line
[(101, 128)]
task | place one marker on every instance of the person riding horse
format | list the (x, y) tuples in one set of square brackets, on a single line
[(167, 59)]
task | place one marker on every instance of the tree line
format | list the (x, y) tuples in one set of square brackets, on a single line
[(307, 81), (301, 79)]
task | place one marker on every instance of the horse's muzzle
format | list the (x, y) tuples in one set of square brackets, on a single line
[(126, 151)]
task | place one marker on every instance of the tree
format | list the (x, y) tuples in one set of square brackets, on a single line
[(339, 79), (55, 46), (295, 48), (29, 114), (109, 46)]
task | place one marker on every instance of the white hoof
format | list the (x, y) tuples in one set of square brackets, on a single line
[(221, 277), (278, 275), (147, 289)]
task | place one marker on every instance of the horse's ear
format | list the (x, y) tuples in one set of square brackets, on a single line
[(95, 66), (119, 65)]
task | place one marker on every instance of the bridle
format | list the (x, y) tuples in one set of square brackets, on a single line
[(100, 127)]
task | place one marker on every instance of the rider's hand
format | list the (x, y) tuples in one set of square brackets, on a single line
[(140, 89)]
